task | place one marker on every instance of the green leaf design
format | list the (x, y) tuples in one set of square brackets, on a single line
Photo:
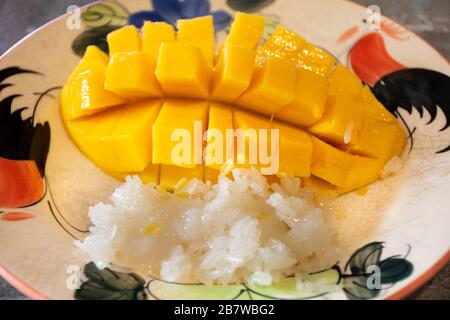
[(163, 290), (248, 5), (107, 284), (316, 285), (355, 288), (364, 257), (394, 269), (104, 14), (95, 36)]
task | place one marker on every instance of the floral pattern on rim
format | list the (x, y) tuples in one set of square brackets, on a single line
[(365, 275)]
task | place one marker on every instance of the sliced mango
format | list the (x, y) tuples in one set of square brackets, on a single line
[(341, 121), (183, 71), (343, 81), (249, 145), (153, 34), (233, 72), (379, 140), (295, 151), (316, 59), (118, 140), (220, 127), (246, 30), (125, 39), (288, 45), (308, 105), (272, 87), (174, 178), (86, 95), (198, 31), (284, 44), (373, 108), (131, 75), (176, 133), (93, 58), (342, 169), (149, 175)]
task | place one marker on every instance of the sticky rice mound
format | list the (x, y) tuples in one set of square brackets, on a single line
[(240, 230)]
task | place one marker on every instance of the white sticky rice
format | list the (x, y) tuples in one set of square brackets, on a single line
[(240, 230)]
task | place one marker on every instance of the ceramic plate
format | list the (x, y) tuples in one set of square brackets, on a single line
[(46, 185)]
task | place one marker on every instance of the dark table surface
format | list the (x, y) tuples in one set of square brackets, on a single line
[(428, 18)]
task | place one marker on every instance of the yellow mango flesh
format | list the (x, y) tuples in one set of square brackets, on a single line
[(246, 30), (179, 121), (248, 140), (284, 44), (343, 81), (200, 32), (93, 58), (288, 79), (131, 75), (341, 121), (379, 140), (182, 71), (153, 34), (310, 99), (149, 175), (295, 151), (125, 39), (118, 140), (217, 151), (373, 108), (316, 59), (174, 178), (272, 87), (288, 45), (342, 169), (233, 72), (86, 95)]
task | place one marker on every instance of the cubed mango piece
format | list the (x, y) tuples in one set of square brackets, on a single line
[(93, 58), (316, 59), (118, 140), (131, 75), (246, 30), (174, 178), (220, 139), (272, 87), (284, 44), (200, 32), (149, 175), (373, 108), (250, 148), (344, 170), (153, 34), (309, 102), (343, 81), (379, 140), (341, 121), (86, 95), (329, 163), (183, 71), (233, 72), (295, 151), (125, 39), (177, 132)]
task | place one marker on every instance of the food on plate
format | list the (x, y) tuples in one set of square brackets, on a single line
[(221, 152)]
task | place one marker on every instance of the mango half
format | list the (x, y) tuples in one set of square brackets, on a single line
[(285, 107)]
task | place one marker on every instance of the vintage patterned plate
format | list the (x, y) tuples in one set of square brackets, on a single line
[(46, 184)]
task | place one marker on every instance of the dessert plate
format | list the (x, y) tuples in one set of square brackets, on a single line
[(46, 185)]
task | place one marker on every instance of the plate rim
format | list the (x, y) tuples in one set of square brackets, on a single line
[(32, 293)]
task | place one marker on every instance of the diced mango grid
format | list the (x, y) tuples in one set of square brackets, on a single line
[(330, 125)]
